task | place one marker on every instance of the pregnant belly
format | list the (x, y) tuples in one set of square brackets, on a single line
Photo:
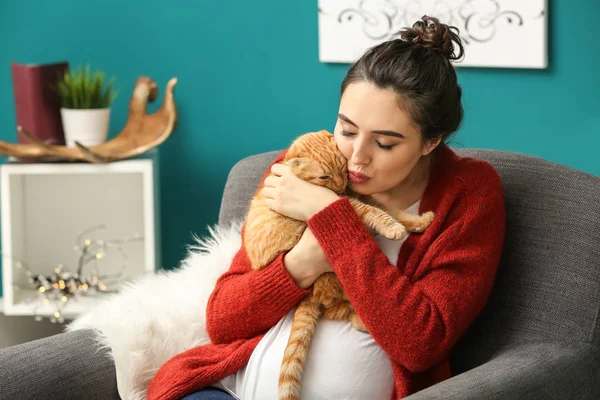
[(342, 363)]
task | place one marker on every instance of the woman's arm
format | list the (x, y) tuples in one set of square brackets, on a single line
[(417, 323), (247, 302)]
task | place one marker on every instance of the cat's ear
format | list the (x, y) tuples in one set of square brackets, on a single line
[(297, 162), (300, 166), (333, 144)]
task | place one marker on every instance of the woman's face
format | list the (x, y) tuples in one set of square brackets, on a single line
[(378, 138)]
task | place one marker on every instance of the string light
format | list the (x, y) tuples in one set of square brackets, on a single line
[(63, 286)]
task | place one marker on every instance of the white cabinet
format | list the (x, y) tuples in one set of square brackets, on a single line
[(45, 205)]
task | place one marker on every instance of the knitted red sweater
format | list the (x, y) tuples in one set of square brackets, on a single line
[(415, 310)]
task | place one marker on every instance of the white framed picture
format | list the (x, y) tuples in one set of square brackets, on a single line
[(495, 33)]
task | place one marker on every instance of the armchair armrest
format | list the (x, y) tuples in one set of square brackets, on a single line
[(526, 372), (68, 365)]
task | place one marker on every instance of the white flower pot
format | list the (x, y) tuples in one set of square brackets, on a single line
[(86, 126)]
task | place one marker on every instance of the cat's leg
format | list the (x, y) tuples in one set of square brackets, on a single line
[(304, 324), (343, 311), (377, 219), (413, 222)]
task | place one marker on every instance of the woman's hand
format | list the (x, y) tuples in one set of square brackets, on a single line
[(293, 197), (306, 261)]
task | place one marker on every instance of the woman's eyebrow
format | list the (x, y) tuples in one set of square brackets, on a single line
[(348, 120), (385, 133)]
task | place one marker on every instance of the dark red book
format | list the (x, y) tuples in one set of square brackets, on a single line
[(37, 105)]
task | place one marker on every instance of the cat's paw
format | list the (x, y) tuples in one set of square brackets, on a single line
[(424, 221), (358, 324), (395, 231)]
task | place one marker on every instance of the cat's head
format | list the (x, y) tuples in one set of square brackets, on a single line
[(321, 161)]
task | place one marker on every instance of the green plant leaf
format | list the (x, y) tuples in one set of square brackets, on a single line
[(99, 83), (63, 92), (75, 95), (114, 96), (107, 98), (84, 89)]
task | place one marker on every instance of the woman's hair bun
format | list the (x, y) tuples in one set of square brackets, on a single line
[(430, 33)]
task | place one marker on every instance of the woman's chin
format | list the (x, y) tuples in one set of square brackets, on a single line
[(362, 189)]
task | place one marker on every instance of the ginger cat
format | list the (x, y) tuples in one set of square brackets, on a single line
[(315, 157)]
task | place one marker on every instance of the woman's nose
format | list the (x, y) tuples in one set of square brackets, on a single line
[(360, 154)]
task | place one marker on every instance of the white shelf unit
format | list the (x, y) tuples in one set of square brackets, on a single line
[(44, 206)]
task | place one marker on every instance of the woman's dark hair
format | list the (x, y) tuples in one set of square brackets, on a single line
[(417, 67)]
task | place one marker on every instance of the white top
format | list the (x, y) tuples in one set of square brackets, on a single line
[(343, 363)]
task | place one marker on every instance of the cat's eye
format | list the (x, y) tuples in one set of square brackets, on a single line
[(324, 177)]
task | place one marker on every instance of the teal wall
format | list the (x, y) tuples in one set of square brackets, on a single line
[(250, 81)]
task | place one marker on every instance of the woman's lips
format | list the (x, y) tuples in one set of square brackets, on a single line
[(357, 177)]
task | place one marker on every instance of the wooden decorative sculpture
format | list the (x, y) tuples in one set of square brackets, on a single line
[(141, 133)]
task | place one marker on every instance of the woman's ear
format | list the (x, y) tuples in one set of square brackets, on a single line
[(431, 146)]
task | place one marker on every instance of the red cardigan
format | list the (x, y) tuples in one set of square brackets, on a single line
[(415, 310)]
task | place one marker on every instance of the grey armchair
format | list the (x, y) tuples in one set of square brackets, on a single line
[(537, 338)]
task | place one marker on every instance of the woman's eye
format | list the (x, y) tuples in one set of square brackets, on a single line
[(382, 146), (385, 147)]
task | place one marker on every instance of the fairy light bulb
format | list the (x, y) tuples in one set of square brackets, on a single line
[(42, 289), (99, 255)]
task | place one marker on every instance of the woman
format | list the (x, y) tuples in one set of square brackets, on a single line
[(399, 105)]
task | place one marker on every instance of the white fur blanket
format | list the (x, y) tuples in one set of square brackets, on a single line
[(159, 316)]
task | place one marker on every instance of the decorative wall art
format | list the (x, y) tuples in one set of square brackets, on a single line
[(496, 33)]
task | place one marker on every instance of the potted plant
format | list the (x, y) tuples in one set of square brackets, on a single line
[(85, 106)]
